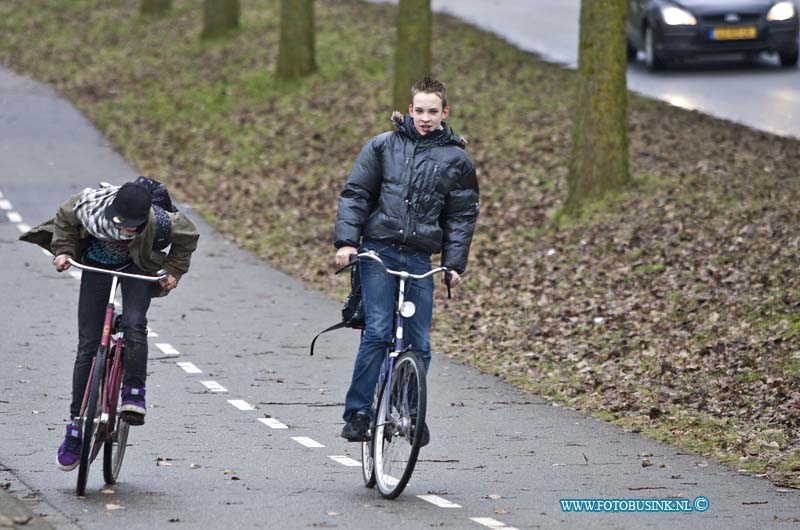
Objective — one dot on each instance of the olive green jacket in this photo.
(66, 235)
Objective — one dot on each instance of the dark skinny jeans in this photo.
(136, 295)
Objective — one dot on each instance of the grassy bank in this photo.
(674, 309)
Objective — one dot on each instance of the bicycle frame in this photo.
(113, 366)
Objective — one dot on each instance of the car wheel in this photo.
(653, 59)
(631, 50)
(789, 59)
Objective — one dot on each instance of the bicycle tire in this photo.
(397, 438)
(114, 451)
(90, 425)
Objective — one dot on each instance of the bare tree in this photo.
(150, 7)
(296, 47)
(219, 16)
(599, 157)
(412, 59)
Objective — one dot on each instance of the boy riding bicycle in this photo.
(116, 227)
(411, 193)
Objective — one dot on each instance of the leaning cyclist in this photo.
(411, 193)
(116, 227)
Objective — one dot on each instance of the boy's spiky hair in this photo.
(429, 85)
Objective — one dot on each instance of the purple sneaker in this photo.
(133, 406)
(69, 453)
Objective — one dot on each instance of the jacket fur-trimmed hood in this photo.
(405, 124)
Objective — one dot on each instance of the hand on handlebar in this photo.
(168, 283)
(455, 278)
(343, 255)
(61, 262)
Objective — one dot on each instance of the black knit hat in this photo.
(131, 206)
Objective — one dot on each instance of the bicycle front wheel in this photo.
(398, 430)
(91, 422)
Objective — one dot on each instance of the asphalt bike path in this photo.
(243, 425)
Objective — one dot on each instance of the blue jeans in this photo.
(378, 291)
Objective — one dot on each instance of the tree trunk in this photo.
(219, 16)
(296, 48)
(150, 7)
(599, 157)
(412, 56)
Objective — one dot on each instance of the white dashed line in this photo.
(492, 523)
(5, 204)
(214, 386)
(14, 217)
(241, 404)
(306, 441)
(151, 333)
(345, 461)
(190, 368)
(22, 227)
(438, 501)
(273, 423)
(75, 274)
(167, 349)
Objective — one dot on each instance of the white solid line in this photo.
(438, 501)
(22, 227)
(5, 204)
(306, 441)
(167, 349)
(494, 524)
(190, 368)
(345, 461)
(74, 274)
(14, 217)
(241, 404)
(214, 386)
(273, 423)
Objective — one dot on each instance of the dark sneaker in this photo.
(69, 452)
(357, 428)
(133, 406)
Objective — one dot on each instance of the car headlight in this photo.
(781, 11)
(675, 16)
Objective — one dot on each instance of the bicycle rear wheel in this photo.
(368, 447)
(400, 419)
(91, 422)
(114, 451)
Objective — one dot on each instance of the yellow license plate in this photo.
(740, 33)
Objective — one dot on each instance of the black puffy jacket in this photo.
(419, 191)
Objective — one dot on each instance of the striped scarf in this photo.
(91, 211)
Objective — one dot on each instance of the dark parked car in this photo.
(673, 29)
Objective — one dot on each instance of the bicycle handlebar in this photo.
(160, 275)
(402, 274)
